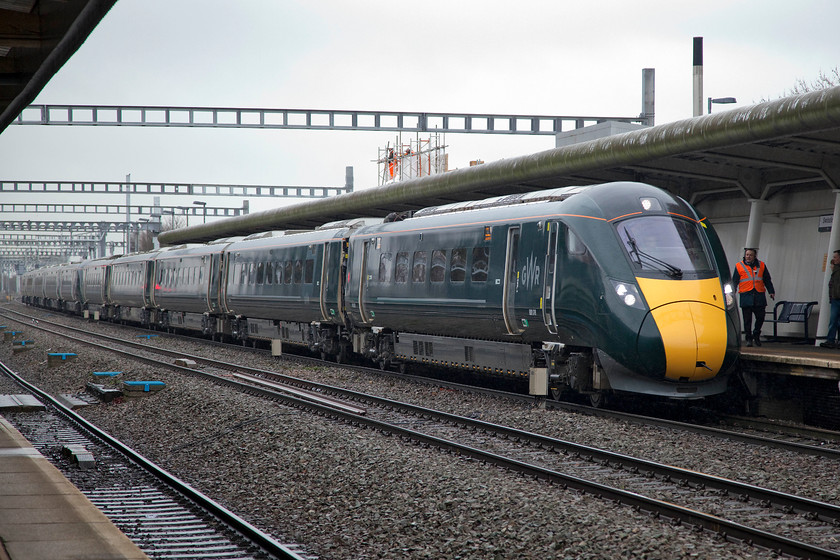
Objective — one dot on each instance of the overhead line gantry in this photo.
(311, 119)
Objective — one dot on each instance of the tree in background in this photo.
(824, 81)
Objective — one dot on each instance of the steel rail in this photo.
(783, 501)
(254, 535)
(795, 447)
(826, 512)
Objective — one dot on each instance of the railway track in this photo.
(164, 516)
(799, 439)
(781, 522)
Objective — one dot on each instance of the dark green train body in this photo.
(619, 287)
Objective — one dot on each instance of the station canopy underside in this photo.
(36, 38)
(748, 153)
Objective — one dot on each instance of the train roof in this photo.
(606, 200)
(289, 238)
(548, 195)
(192, 249)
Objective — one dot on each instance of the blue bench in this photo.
(791, 312)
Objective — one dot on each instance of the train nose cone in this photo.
(694, 337)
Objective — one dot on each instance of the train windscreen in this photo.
(665, 244)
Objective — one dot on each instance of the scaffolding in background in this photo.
(418, 158)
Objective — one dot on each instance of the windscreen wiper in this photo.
(667, 268)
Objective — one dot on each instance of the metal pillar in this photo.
(648, 95)
(348, 178)
(833, 245)
(697, 73)
(756, 221)
(127, 213)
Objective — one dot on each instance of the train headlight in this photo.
(629, 294)
(729, 295)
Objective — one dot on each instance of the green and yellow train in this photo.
(595, 290)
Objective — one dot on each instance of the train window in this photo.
(418, 270)
(287, 272)
(239, 272)
(269, 273)
(298, 271)
(401, 270)
(386, 264)
(480, 264)
(438, 272)
(278, 273)
(260, 273)
(308, 271)
(573, 243)
(200, 274)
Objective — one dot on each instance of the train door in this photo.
(224, 281)
(215, 282)
(549, 284)
(363, 282)
(148, 271)
(332, 280)
(511, 281)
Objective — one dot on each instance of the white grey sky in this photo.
(554, 57)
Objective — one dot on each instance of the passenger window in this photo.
(574, 244)
(386, 263)
(260, 273)
(438, 271)
(481, 260)
(278, 273)
(401, 271)
(418, 271)
(252, 273)
(269, 273)
(308, 271)
(288, 272)
(298, 272)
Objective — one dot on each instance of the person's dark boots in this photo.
(749, 342)
(757, 339)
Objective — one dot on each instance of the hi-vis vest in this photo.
(750, 278)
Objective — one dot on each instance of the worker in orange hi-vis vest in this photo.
(753, 280)
(391, 162)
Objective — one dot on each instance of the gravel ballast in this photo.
(349, 493)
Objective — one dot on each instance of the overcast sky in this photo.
(552, 57)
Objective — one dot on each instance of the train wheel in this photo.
(384, 364)
(598, 400)
(403, 367)
(557, 393)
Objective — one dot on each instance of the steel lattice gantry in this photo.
(309, 119)
(139, 210)
(189, 189)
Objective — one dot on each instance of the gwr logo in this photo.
(530, 275)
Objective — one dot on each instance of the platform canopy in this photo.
(36, 38)
(785, 143)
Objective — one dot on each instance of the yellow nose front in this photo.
(691, 319)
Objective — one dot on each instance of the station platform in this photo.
(794, 381)
(792, 358)
(44, 516)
